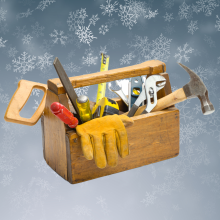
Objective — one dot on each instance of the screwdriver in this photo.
(64, 114)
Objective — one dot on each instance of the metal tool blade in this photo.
(67, 86)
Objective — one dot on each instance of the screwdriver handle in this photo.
(64, 114)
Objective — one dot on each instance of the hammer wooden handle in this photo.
(19, 100)
(171, 99)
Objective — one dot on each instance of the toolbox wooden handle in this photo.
(19, 100)
(146, 68)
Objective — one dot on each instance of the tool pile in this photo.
(106, 128)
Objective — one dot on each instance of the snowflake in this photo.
(184, 11)
(202, 154)
(12, 52)
(2, 42)
(152, 14)
(36, 105)
(71, 54)
(209, 40)
(109, 8)
(89, 59)
(2, 14)
(4, 98)
(168, 17)
(43, 4)
(8, 67)
(20, 32)
(24, 64)
(217, 23)
(114, 43)
(81, 90)
(141, 45)
(59, 36)
(76, 18)
(47, 45)
(44, 61)
(183, 53)
(168, 4)
(24, 14)
(3, 28)
(82, 210)
(103, 29)
(127, 16)
(169, 29)
(37, 30)
(112, 22)
(9, 162)
(207, 6)
(150, 199)
(85, 35)
(41, 166)
(35, 92)
(93, 19)
(126, 59)
(27, 39)
(101, 201)
(161, 48)
(103, 50)
(72, 67)
(192, 27)
(6, 180)
(202, 72)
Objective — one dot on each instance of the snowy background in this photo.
(33, 33)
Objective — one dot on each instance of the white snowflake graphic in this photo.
(24, 64)
(151, 14)
(82, 90)
(2, 14)
(41, 166)
(127, 58)
(43, 4)
(3, 28)
(12, 52)
(44, 61)
(168, 17)
(206, 6)
(27, 39)
(192, 27)
(202, 72)
(168, 4)
(59, 36)
(84, 33)
(35, 92)
(169, 29)
(89, 59)
(71, 54)
(103, 29)
(7, 179)
(149, 199)
(8, 67)
(37, 30)
(112, 22)
(20, 32)
(127, 16)
(76, 18)
(114, 43)
(24, 14)
(184, 10)
(103, 50)
(2, 42)
(217, 23)
(209, 40)
(202, 152)
(161, 48)
(183, 53)
(72, 67)
(36, 104)
(109, 8)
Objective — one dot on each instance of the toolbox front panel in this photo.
(152, 138)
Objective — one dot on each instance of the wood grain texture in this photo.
(55, 142)
(147, 68)
(153, 137)
(19, 100)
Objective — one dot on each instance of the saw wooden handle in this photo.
(171, 99)
(19, 100)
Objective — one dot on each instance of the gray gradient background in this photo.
(185, 187)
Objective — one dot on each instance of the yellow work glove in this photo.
(103, 138)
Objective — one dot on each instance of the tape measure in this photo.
(104, 107)
(102, 86)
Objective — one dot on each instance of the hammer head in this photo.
(196, 88)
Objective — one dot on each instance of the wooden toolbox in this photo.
(152, 138)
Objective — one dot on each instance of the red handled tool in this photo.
(64, 114)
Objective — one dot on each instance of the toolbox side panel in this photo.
(54, 135)
(153, 137)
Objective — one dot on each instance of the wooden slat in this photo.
(153, 137)
(146, 68)
(54, 134)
